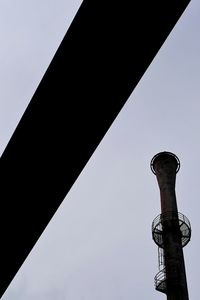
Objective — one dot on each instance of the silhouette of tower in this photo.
(171, 230)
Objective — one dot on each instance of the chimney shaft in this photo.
(169, 229)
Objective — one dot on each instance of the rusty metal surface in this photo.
(165, 166)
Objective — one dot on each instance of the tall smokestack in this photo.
(171, 230)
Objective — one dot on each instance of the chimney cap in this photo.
(164, 153)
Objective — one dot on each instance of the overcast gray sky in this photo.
(98, 245)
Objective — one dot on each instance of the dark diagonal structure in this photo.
(104, 54)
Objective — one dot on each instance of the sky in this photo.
(98, 244)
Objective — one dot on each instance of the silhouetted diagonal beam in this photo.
(105, 52)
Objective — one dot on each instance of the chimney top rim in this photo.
(170, 154)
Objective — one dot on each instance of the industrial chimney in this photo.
(171, 230)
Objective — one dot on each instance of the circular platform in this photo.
(160, 220)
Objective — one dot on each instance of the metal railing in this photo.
(161, 259)
(183, 222)
(160, 281)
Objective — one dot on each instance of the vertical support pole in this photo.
(165, 165)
